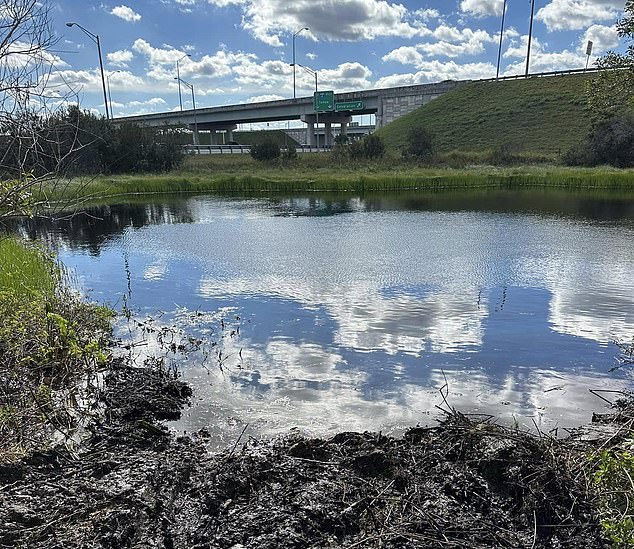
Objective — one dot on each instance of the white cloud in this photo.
(482, 8)
(603, 38)
(264, 98)
(120, 58)
(577, 14)
(272, 20)
(126, 13)
(435, 71)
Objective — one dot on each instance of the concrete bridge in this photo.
(386, 104)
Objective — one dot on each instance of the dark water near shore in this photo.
(339, 313)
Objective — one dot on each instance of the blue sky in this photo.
(241, 49)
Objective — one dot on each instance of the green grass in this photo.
(26, 270)
(240, 174)
(539, 115)
(50, 341)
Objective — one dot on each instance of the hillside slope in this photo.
(542, 115)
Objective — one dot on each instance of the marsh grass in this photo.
(51, 343)
(243, 175)
(26, 270)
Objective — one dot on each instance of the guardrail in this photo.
(245, 149)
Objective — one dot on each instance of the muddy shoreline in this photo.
(463, 483)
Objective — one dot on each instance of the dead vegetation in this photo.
(465, 483)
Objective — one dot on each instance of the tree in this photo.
(29, 158)
(611, 92)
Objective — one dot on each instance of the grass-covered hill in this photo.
(544, 115)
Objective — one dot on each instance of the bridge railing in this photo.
(245, 149)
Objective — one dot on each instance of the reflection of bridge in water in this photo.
(385, 104)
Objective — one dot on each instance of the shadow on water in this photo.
(96, 225)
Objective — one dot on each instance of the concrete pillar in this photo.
(311, 133)
(327, 134)
(344, 129)
(229, 135)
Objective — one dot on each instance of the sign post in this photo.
(588, 52)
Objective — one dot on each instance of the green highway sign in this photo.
(324, 101)
(349, 106)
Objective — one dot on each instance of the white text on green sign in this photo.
(349, 106)
(324, 101)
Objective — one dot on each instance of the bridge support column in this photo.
(229, 135)
(311, 133)
(344, 129)
(327, 134)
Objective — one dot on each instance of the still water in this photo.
(327, 313)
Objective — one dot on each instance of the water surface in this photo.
(326, 313)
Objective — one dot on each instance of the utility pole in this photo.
(530, 37)
(497, 74)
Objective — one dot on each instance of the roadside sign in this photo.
(324, 101)
(349, 106)
(589, 47)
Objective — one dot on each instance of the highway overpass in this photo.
(386, 104)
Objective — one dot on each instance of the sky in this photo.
(239, 51)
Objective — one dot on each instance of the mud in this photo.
(464, 483)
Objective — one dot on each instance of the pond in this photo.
(336, 312)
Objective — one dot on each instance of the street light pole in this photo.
(95, 39)
(109, 96)
(312, 72)
(294, 36)
(497, 74)
(530, 37)
(178, 77)
(191, 87)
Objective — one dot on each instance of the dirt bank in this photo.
(461, 484)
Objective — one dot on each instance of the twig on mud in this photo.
(238, 441)
(534, 529)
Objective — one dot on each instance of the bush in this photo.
(579, 155)
(506, 154)
(373, 146)
(612, 142)
(291, 152)
(419, 143)
(267, 150)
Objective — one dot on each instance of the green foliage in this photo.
(506, 154)
(267, 150)
(290, 153)
(373, 146)
(419, 143)
(73, 141)
(546, 115)
(49, 341)
(610, 142)
(612, 481)
(611, 93)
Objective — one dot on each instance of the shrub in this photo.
(505, 154)
(613, 141)
(419, 143)
(267, 150)
(373, 146)
(357, 150)
(579, 155)
(291, 152)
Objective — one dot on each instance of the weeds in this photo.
(51, 343)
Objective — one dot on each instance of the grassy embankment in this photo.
(50, 341)
(538, 117)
